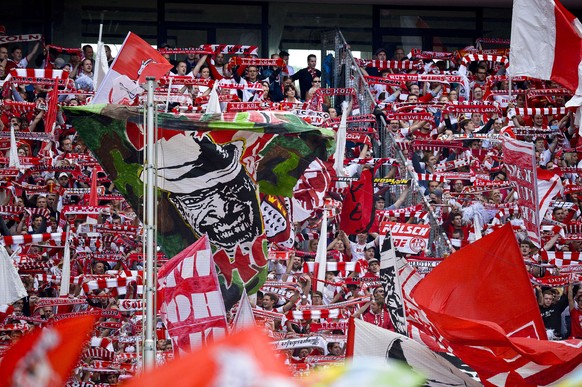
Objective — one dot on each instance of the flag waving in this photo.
(192, 306)
(136, 60)
(466, 299)
(45, 357)
(546, 26)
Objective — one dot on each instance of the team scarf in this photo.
(410, 116)
(101, 313)
(240, 86)
(187, 50)
(473, 108)
(317, 99)
(359, 138)
(313, 314)
(261, 105)
(435, 145)
(238, 61)
(360, 118)
(42, 302)
(35, 136)
(7, 39)
(33, 238)
(439, 78)
(221, 98)
(375, 161)
(390, 64)
(453, 164)
(45, 77)
(555, 281)
(416, 53)
(231, 49)
(543, 92)
(542, 111)
(480, 41)
(467, 59)
(53, 51)
(401, 216)
(570, 188)
(491, 79)
(381, 81)
(185, 80)
(19, 107)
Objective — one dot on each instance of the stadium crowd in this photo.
(450, 132)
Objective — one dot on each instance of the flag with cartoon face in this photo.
(210, 170)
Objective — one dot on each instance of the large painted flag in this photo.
(136, 60)
(465, 300)
(242, 359)
(45, 357)
(367, 340)
(210, 169)
(545, 26)
(192, 308)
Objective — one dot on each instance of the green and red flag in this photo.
(210, 170)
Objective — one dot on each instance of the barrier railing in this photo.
(340, 70)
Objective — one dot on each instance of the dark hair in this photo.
(283, 53)
(311, 56)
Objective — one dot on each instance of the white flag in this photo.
(11, 286)
(101, 67)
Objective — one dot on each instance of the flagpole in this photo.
(149, 346)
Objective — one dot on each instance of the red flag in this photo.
(482, 305)
(45, 357)
(549, 185)
(136, 60)
(358, 208)
(192, 307)
(546, 26)
(519, 158)
(93, 196)
(245, 358)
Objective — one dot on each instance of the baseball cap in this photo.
(63, 174)
(372, 261)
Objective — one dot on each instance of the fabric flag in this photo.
(358, 207)
(310, 191)
(101, 66)
(340, 150)
(549, 185)
(244, 317)
(391, 284)
(11, 286)
(213, 106)
(136, 60)
(465, 299)
(211, 169)
(368, 340)
(66, 272)
(546, 26)
(243, 359)
(278, 226)
(192, 307)
(519, 159)
(14, 161)
(45, 357)
(321, 254)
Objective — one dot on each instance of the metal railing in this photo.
(340, 69)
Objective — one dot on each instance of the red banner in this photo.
(520, 160)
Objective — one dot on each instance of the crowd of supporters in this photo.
(58, 192)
